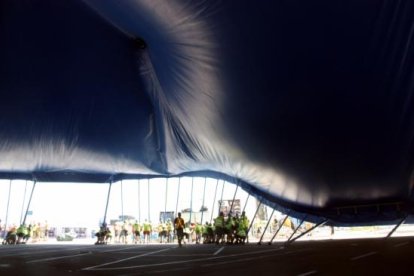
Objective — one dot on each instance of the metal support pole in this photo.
(139, 201)
(297, 228)
(234, 197)
(204, 195)
(107, 202)
(221, 200)
(30, 200)
(267, 225)
(309, 230)
(178, 195)
(245, 204)
(191, 197)
(166, 196)
(396, 227)
(149, 208)
(122, 201)
(176, 205)
(280, 227)
(251, 223)
(214, 201)
(7, 210)
(24, 199)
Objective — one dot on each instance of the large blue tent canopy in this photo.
(308, 105)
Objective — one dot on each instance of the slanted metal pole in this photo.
(234, 197)
(139, 201)
(309, 230)
(202, 205)
(122, 202)
(24, 199)
(191, 197)
(7, 210)
(296, 229)
(107, 202)
(396, 227)
(245, 204)
(280, 227)
(221, 200)
(178, 195)
(267, 225)
(30, 200)
(176, 206)
(166, 193)
(149, 207)
(214, 201)
(251, 223)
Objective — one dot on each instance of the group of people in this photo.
(230, 230)
(133, 232)
(21, 234)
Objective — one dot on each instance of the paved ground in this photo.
(394, 256)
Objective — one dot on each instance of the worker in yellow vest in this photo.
(136, 231)
(228, 227)
(219, 228)
(147, 231)
(169, 230)
(198, 231)
(21, 233)
(244, 227)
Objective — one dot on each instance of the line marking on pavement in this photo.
(401, 244)
(248, 259)
(32, 252)
(180, 255)
(96, 267)
(235, 261)
(218, 251)
(308, 273)
(57, 258)
(119, 249)
(364, 255)
(182, 262)
(134, 253)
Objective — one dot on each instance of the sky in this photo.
(83, 204)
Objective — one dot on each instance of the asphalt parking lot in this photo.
(330, 257)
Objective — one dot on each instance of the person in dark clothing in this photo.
(179, 228)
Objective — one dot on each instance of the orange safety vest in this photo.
(179, 223)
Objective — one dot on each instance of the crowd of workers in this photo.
(230, 230)
(35, 231)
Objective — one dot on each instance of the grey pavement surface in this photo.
(392, 256)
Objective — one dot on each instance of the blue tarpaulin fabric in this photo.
(307, 105)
